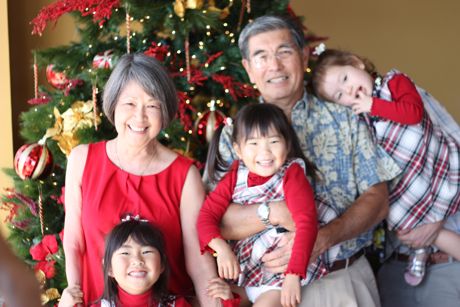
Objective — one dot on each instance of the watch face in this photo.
(263, 211)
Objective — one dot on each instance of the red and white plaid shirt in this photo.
(428, 190)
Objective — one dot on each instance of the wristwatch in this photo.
(263, 212)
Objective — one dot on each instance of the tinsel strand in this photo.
(128, 32)
(187, 58)
(35, 76)
(40, 209)
(240, 20)
(94, 98)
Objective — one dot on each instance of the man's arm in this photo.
(368, 209)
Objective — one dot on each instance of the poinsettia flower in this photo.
(45, 248)
(47, 267)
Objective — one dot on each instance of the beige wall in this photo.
(418, 37)
(6, 136)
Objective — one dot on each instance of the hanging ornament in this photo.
(208, 122)
(103, 60)
(194, 4)
(56, 79)
(179, 8)
(48, 294)
(32, 160)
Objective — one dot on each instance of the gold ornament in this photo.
(78, 116)
(49, 294)
(179, 8)
(194, 4)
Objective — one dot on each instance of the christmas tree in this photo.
(195, 39)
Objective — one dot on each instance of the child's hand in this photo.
(71, 296)
(218, 288)
(290, 291)
(362, 103)
(227, 263)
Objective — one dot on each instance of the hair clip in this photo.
(228, 121)
(129, 217)
(319, 49)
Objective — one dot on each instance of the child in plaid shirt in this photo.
(424, 142)
(271, 167)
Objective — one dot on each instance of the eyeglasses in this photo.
(262, 59)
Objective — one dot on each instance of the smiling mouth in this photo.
(136, 129)
(137, 274)
(265, 162)
(278, 79)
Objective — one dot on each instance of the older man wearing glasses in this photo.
(275, 58)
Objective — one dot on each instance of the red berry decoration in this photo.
(103, 60)
(207, 123)
(32, 160)
(56, 79)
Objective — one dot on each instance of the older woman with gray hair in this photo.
(134, 174)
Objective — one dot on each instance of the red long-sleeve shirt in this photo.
(299, 200)
(406, 107)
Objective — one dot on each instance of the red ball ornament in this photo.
(103, 60)
(55, 78)
(207, 123)
(32, 160)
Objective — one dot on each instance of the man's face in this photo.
(276, 66)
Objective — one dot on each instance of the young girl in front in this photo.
(136, 271)
(417, 132)
(271, 167)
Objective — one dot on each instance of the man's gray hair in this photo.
(265, 24)
(150, 75)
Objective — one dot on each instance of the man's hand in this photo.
(420, 236)
(277, 260)
(281, 216)
(322, 243)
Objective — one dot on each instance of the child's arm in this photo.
(208, 223)
(214, 207)
(290, 291)
(449, 242)
(301, 203)
(406, 106)
(227, 263)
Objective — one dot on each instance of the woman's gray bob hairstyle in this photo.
(150, 75)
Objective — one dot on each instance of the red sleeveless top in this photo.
(108, 193)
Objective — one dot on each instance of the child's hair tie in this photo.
(228, 121)
(129, 217)
(319, 49)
